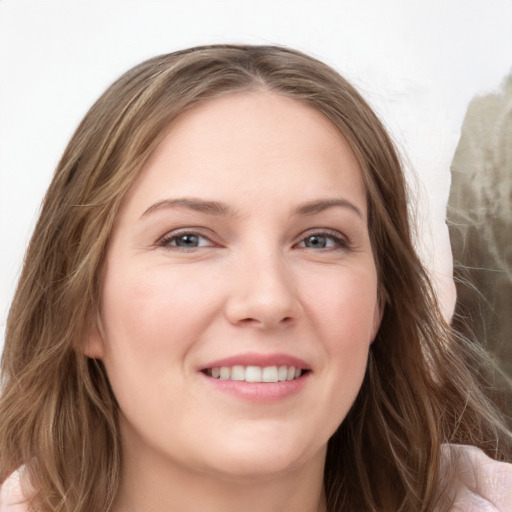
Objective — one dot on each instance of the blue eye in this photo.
(324, 241)
(186, 240)
(316, 242)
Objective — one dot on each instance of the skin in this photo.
(255, 283)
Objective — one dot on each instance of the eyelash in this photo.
(166, 240)
(340, 241)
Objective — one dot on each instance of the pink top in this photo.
(11, 497)
(483, 485)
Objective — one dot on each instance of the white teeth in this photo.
(238, 373)
(255, 373)
(269, 374)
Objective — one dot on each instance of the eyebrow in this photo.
(314, 207)
(190, 203)
(221, 209)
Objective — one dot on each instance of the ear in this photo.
(93, 345)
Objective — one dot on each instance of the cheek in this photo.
(153, 306)
(151, 319)
(344, 307)
(344, 312)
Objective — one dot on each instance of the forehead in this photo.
(243, 144)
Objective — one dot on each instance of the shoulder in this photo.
(11, 496)
(480, 484)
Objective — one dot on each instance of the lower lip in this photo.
(263, 392)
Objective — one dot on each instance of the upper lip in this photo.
(263, 360)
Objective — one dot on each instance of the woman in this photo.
(221, 308)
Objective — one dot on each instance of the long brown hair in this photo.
(58, 413)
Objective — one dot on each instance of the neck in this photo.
(150, 484)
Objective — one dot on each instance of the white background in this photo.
(418, 62)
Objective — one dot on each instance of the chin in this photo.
(260, 460)
(251, 469)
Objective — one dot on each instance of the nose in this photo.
(263, 293)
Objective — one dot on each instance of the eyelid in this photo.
(164, 240)
(343, 242)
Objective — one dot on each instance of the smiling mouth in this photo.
(255, 373)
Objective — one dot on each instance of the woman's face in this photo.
(241, 251)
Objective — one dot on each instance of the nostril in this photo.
(249, 321)
(265, 322)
